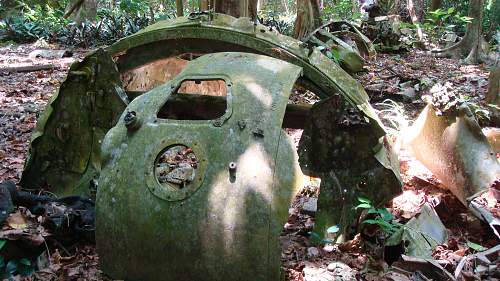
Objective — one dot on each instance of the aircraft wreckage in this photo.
(198, 186)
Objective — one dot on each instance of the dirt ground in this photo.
(403, 78)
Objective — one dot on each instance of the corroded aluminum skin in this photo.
(86, 107)
(225, 227)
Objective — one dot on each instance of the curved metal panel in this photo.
(165, 39)
(230, 224)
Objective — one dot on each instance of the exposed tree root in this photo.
(450, 48)
(471, 45)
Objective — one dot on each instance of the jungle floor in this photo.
(404, 78)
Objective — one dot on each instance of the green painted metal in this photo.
(65, 146)
(218, 225)
(338, 146)
(198, 33)
(349, 59)
(226, 225)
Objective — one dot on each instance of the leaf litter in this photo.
(403, 78)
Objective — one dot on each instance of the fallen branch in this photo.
(28, 68)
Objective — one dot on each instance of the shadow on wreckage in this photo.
(343, 141)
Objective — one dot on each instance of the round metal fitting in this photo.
(131, 121)
(232, 166)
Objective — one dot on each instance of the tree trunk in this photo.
(492, 96)
(81, 10)
(203, 5)
(409, 10)
(308, 18)
(152, 11)
(72, 8)
(471, 45)
(473, 33)
(494, 18)
(415, 10)
(261, 4)
(252, 9)
(355, 6)
(435, 4)
(285, 6)
(398, 8)
(237, 8)
(180, 8)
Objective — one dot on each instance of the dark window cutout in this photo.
(196, 100)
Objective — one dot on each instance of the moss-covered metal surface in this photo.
(215, 227)
(65, 146)
(221, 32)
(227, 225)
(73, 164)
(338, 146)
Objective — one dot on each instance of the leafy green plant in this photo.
(440, 17)
(22, 267)
(282, 22)
(37, 21)
(136, 7)
(342, 9)
(475, 247)
(317, 239)
(331, 53)
(381, 216)
(441, 20)
(9, 269)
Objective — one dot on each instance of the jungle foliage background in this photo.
(88, 23)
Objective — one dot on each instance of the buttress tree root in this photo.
(472, 45)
